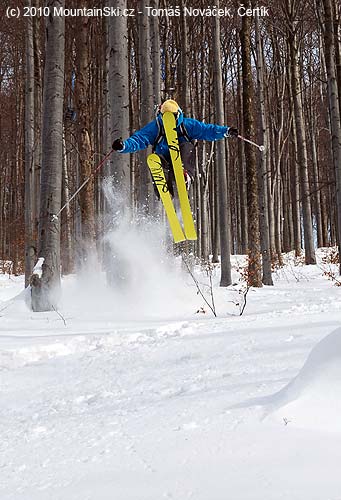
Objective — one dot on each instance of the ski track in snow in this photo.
(155, 408)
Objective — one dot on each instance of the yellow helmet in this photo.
(169, 105)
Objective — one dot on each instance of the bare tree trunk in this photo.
(30, 250)
(107, 117)
(185, 97)
(316, 182)
(67, 248)
(45, 289)
(288, 237)
(262, 170)
(205, 166)
(278, 211)
(38, 101)
(301, 151)
(214, 188)
(205, 205)
(242, 169)
(155, 38)
(295, 181)
(119, 93)
(167, 90)
(107, 134)
(254, 251)
(337, 41)
(118, 114)
(224, 219)
(82, 92)
(334, 110)
(271, 204)
(156, 81)
(146, 101)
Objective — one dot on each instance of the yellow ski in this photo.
(154, 164)
(169, 124)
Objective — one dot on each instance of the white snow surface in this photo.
(131, 394)
(313, 398)
(38, 268)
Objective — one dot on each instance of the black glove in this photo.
(118, 145)
(232, 132)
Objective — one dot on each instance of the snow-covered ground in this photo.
(132, 394)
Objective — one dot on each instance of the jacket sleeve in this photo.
(204, 131)
(141, 139)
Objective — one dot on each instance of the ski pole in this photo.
(94, 172)
(261, 148)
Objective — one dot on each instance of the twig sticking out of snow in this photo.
(59, 314)
(212, 307)
(244, 299)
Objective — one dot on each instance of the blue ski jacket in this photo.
(195, 129)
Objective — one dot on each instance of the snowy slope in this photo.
(131, 395)
(313, 398)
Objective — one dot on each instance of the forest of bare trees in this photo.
(69, 85)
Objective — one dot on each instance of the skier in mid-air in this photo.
(188, 130)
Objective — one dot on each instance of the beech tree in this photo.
(262, 165)
(334, 105)
(84, 146)
(30, 249)
(146, 100)
(45, 287)
(224, 209)
(254, 254)
(119, 93)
